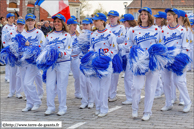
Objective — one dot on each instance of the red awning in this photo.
(30, 5)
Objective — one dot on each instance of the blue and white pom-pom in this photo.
(84, 41)
(30, 54)
(138, 60)
(124, 62)
(86, 64)
(101, 64)
(179, 64)
(7, 57)
(158, 57)
(117, 64)
(44, 76)
(48, 57)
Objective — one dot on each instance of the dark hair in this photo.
(64, 28)
(132, 23)
(164, 23)
(150, 19)
(173, 13)
(42, 20)
(94, 29)
(1, 18)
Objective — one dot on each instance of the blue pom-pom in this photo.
(101, 65)
(138, 60)
(158, 57)
(179, 64)
(48, 57)
(124, 62)
(31, 53)
(7, 57)
(117, 64)
(20, 39)
(84, 41)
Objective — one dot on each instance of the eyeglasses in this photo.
(110, 17)
(29, 20)
(38, 25)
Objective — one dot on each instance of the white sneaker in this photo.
(48, 112)
(157, 96)
(165, 108)
(40, 96)
(26, 109)
(35, 107)
(187, 108)
(102, 114)
(10, 95)
(70, 74)
(181, 103)
(173, 101)
(78, 97)
(60, 113)
(97, 112)
(82, 106)
(25, 99)
(127, 102)
(123, 75)
(146, 116)
(19, 96)
(90, 105)
(7, 80)
(113, 99)
(134, 113)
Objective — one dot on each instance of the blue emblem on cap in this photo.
(72, 21)
(60, 16)
(100, 16)
(146, 9)
(30, 16)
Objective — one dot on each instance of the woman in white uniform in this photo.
(72, 24)
(102, 39)
(57, 77)
(35, 37)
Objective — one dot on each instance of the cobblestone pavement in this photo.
(119, 116)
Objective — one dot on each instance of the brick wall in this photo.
(3, 8)
(44, 15)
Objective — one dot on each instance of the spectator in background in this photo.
(45, 28)
(15, 22)
(38, 25)
(92, 15)
(2, 20)
(42, 23)
(51, 25)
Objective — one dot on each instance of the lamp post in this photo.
(125, 5)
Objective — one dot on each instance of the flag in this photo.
(54, 7)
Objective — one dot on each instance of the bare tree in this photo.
(85, 6)
(100, 10)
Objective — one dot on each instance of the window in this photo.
(49, 15)
(30, 8)
(136, 14)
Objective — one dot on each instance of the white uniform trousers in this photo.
(100, 89)
(159, 88)
(113, 85)
(18, 81)
(38, 81)
(29, 87)
(13, 86)
(7, 72)
(128, 82)
(150, 80)
(86, 89)
(75, 69)
(57, 80)
(179, 82)
(191, 65)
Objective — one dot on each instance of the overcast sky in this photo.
(108, 5)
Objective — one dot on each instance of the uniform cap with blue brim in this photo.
(87, 21)
(127, 17)
(71, 21)
(191, 21)
(10, 15)
(182, 13)
(30, 16)
(146, 9)
(60, 16)
(100, 16)
(21, 21)
(72, 16)
(113, 13)
(176, 11)
(160, 15)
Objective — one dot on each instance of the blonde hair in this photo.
(64, 28)
(104, 24)
(164, 23)
(150, 20)
(186, 23)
